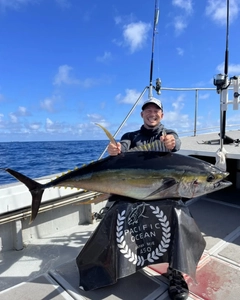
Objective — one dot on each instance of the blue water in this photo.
(37, 159)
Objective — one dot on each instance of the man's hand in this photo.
(113, 149)
(168, 140)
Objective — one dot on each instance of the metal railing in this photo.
(195, 130)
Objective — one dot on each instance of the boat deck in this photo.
(46, 268)
(194, 145)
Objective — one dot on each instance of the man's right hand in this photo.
(113, 149)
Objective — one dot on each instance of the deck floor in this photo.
(52, 260)
(194, 145)
(218, 271)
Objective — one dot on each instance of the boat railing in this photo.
(196, 129)
(197, 99)
(16, 200)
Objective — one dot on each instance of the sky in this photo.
(66, 65)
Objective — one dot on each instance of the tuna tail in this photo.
(36, 189)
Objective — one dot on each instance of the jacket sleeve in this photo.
(125, 142)
(177, 139)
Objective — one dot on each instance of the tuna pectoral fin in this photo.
(36, 189)
(167, 183)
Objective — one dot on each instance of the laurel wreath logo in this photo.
(155, 254)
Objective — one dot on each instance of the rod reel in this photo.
(158, 86)
(221, 82)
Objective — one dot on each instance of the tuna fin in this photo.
(167, 183)
(157, 145)
(36, 189)
(109, 135)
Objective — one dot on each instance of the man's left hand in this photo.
(169, 141)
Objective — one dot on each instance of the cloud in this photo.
(64, 77)
(135, 35)
(55, 127)
(63, 3)
(175, 118)
(130, 98)
(180, 51)
(179, 24)
(18, 4)
(49, 125)
(217, 10)
(233, 69)
(178, 104)
(107, 56)
(180, 21)
(118, 20)
(13, 118)
(96, 118)
(22, 112)
(48, 104)
(204, 96)
(35, 126)
(184, 4)
(15, 4)
(91, 82)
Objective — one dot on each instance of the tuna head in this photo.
(201, 178)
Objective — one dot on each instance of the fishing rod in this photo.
(222, 83)
(225, 72)
(150, 87)
(158, 81)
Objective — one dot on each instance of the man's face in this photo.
(152, 115)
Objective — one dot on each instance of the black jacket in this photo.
(145, 136)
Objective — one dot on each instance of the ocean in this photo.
(38, 159)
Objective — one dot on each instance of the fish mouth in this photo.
(222, 184)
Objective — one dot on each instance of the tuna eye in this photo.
(210, 178)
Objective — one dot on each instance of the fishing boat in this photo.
(37, 260)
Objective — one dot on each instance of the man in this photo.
(151, 130)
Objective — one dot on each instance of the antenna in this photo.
(158, 81)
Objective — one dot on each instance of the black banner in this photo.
(133, 235)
